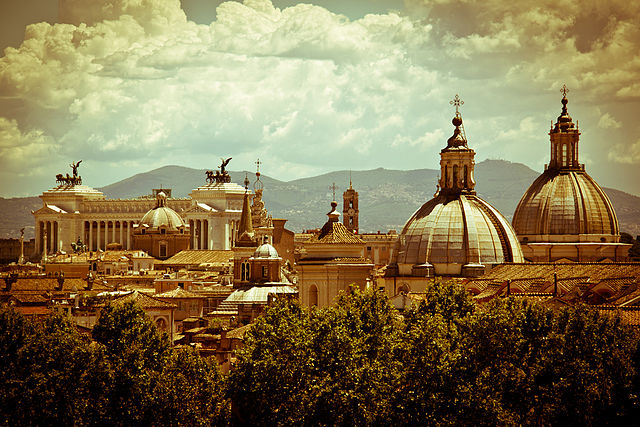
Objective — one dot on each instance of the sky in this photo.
(128, 86)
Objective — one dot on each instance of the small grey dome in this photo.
(266, 251)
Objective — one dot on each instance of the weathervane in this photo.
(333, 188)
(457, 102)
(564, 90)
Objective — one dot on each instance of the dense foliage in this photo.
(446, 361)
(51, 375)
(511, 362)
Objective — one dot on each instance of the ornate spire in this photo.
(564, 138)
(457, 159)
(458, 138)
(245, 228)
(258, 184)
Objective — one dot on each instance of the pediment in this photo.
(49, 209)
(200, 208)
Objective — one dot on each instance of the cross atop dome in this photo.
(564, 90)
(458, 103)
(333, 188)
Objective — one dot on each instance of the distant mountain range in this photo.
(387, 197)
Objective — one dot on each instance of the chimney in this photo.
(60, 281)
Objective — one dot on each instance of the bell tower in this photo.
(457, 160)
(564, 137)
(350, 209)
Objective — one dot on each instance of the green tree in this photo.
(311, 366)
(138, 353)
(190, 391)
(57, 377)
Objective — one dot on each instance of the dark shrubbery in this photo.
(447, 361)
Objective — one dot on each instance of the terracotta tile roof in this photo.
(37, 310)
(334, 232)
(595, 271)
(197, 257)
(177, 293)
(144, 301)
(51, 283)
(238, 333)
(29, 298)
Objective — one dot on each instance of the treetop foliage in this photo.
(445, 361)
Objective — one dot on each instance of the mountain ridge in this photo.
(388, 197)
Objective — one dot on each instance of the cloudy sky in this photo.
(131, 85)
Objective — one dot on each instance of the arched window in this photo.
(455, 176)
(313, 295)
(246, 271)
(465, 178)
(564, 154)
(446, 176)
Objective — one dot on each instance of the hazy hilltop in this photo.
(387, 197)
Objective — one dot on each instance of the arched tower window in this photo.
(313, 295)
(245, 271)
(564, 154)
(465, 178)
(446, 176)
(455, 176)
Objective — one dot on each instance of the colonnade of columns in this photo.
(48, 239)
(98, 234)
(199, 233)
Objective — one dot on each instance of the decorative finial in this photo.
(350, 183)
(246, 181)
(564, 90)
(333, 188)
(457, 102)
(258, 184)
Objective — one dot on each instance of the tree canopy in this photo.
(446, 361)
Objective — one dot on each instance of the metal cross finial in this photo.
(457, 102)
(564, 90)
(258, 163)
(333, 188)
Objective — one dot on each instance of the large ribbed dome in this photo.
(564, 204)
(451, 233)
(162, 216)
(561, 203)
(455, 233)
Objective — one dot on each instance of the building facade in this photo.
(72, 211)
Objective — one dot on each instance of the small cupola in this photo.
(457, 159)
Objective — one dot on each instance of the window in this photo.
(564, 155)
(465, 178)
(455, 176)
(265, 271)
(163, 231)
(245, 272)
(313, 295)
(163, 250)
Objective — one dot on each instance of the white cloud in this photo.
(134, 82)
(608, 122)
(626, 154)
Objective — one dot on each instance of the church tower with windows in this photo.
(350, 209)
